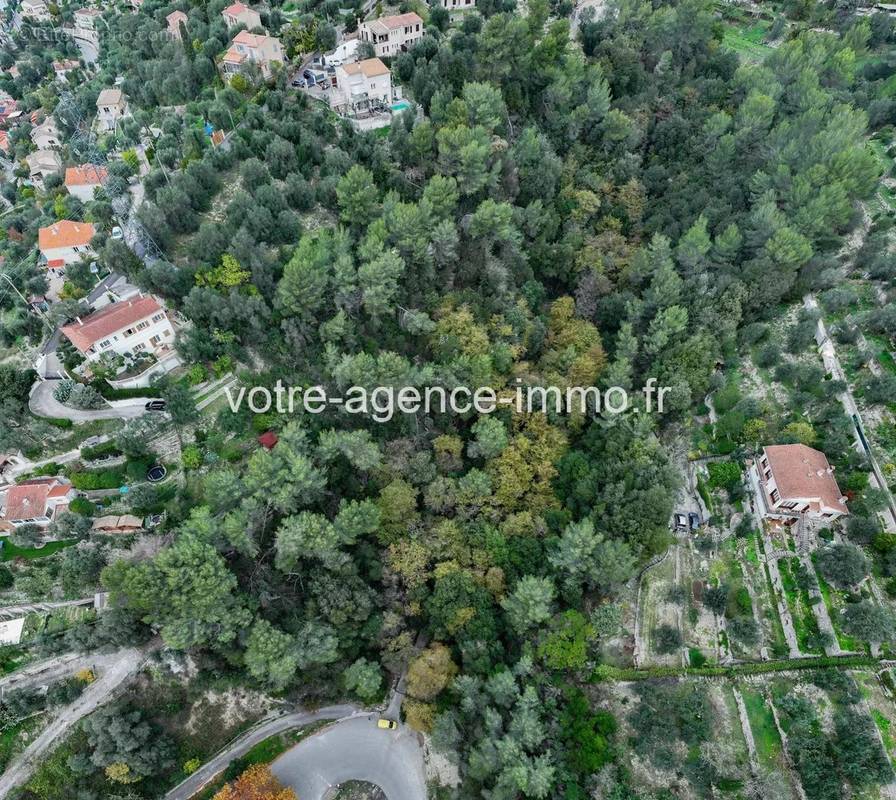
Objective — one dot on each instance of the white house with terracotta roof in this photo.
(265, 51)
(796, 480)
(392, 35)
(65, 242)
(35, 502)
(458, 5)
(82, 181)
(42, 163)
(240, 14)
(139, 324)
(174, 20)
(46, 136)
(111, 108)
(362, 84)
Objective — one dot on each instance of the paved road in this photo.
(355, 749)
(95, 695)
(50, 670)
(43, 404)
(248, 740)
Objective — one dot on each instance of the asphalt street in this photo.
(355, 749)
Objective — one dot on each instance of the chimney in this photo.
(79, 320)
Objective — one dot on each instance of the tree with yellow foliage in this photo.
(256, 783)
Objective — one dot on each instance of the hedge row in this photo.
(103, 450)
(111, 393)
(98, 479)
(605, 672)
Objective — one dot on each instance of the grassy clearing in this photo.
(11, 551)
(883, 725)
(748, 42)
(14, 739)
(765, 734)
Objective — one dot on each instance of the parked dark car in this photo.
(155, 405)
(694, 520)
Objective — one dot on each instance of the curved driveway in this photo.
(355, 749)
(43, 404)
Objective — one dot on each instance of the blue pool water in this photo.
(401, 105)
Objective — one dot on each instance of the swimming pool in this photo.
(400, 106)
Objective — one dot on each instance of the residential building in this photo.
(4, 141)
(111, 108)
(42, 163)
(794, 481)
(458, 5)
(62, 68)
(392, 35)
(9, 110)
(140, 324)
(85, 19)
(36, 502)
(265, 51)
(65, 242)
(174, 20)
(241, 14)
(362, 85)
(46, 136)
(124, 523)
(82, 181)
(36, 9)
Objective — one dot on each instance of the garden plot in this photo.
(660, 612)
(757, 582)
(681, 736)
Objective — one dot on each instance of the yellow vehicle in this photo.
(387, 724)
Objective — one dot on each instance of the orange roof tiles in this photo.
(65, 233)
(114, 317)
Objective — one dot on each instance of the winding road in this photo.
(125, 663)
(244, 743)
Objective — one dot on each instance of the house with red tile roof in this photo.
(82, 181)
(35, 502)
(393, 34)
(246, 48)
(139, 324)
(65, 242)
(174, 20)
(796, 480)
(240, 14)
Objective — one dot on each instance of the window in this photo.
(142, 326)
(154, 340)
(105, 343)
(775, 496)
(158, 317)
(139, 347)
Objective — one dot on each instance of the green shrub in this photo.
(81, 505)
(197, 374)
(724, 474)
(58, 422)
(86, 480)
(111, 393)
(191, 457)
(104, 450)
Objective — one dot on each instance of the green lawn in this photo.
(765, 734)
(748, 42)
(11, 551)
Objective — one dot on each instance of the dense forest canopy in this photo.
(567, 213)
